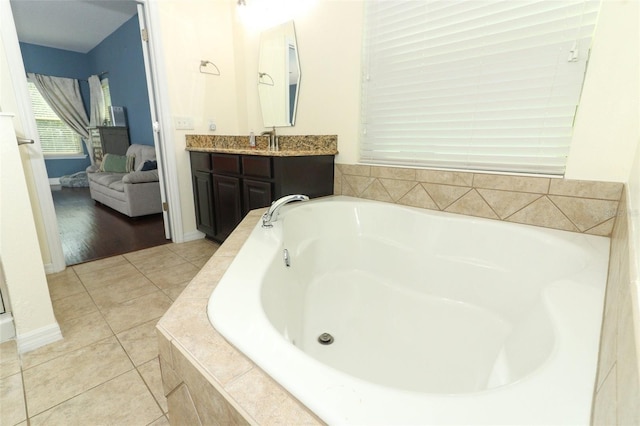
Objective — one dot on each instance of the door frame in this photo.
(25, 116)
(9, 38)
(161, 118)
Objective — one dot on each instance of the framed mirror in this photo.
(279, 75)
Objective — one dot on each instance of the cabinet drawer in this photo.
(257, 166)
(226, 163)
(200, 161)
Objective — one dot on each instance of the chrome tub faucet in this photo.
(272, 214)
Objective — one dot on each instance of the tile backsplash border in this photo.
(571, 205)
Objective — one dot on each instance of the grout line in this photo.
(84, 391)
(444, 209)
(522, 208)
(24, 395)
(112, 334)
(147, 385)
(384, 188)
(405, 194)
(565, 215)
(489, 205)
(163, 415)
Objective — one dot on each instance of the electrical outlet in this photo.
(212, 125)
(183, 123)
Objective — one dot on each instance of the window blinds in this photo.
(56, 137)
(106, 95)
(474, 84)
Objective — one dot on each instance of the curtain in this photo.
(63, 96)
(97, 102)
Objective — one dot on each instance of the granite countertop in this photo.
(290, 146)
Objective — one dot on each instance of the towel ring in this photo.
(203, 66)
(264, 74)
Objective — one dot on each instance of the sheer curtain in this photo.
(63, 96)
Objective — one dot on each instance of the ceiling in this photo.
(76, 25)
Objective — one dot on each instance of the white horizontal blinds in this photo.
(474, 84)
(56, 137)
(106, 94)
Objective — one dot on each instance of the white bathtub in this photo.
(436, 318)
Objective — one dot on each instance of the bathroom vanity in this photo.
(229, 181)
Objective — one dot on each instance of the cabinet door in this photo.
(226, 205)
(203, 200)
(256, 194)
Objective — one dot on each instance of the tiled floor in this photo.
(105, 370)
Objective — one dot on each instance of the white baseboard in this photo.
(7, 330)
(39, 337)
(55, 185)
(49, 268)
(192, 236)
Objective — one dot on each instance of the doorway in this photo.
(90, 231)
(128, 237)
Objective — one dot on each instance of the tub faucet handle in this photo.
(272, 214)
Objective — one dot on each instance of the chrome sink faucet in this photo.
(272, 138)
(272, 214)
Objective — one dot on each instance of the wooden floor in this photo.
(90, 231)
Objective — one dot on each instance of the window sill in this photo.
(65, 156)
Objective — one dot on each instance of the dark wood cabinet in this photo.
(203, 196)
(109, 140)
(227, 205)
(227, 186)
(255, 194)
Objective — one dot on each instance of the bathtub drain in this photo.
(325, 339)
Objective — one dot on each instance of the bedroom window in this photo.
(106, 94)
(475, 85)
(56, 138)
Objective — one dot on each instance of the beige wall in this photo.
(19, 250)
(329, 43)
(191, 31)
(8, 104)
(633, 213)
(19, 245)
(607, 123)
(329, 40)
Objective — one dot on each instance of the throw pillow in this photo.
(114, 163)
(131, 162)
(149, 165)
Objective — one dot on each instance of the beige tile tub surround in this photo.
(296, 145)
(617, 392)
(206, 380)
(570, 205)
